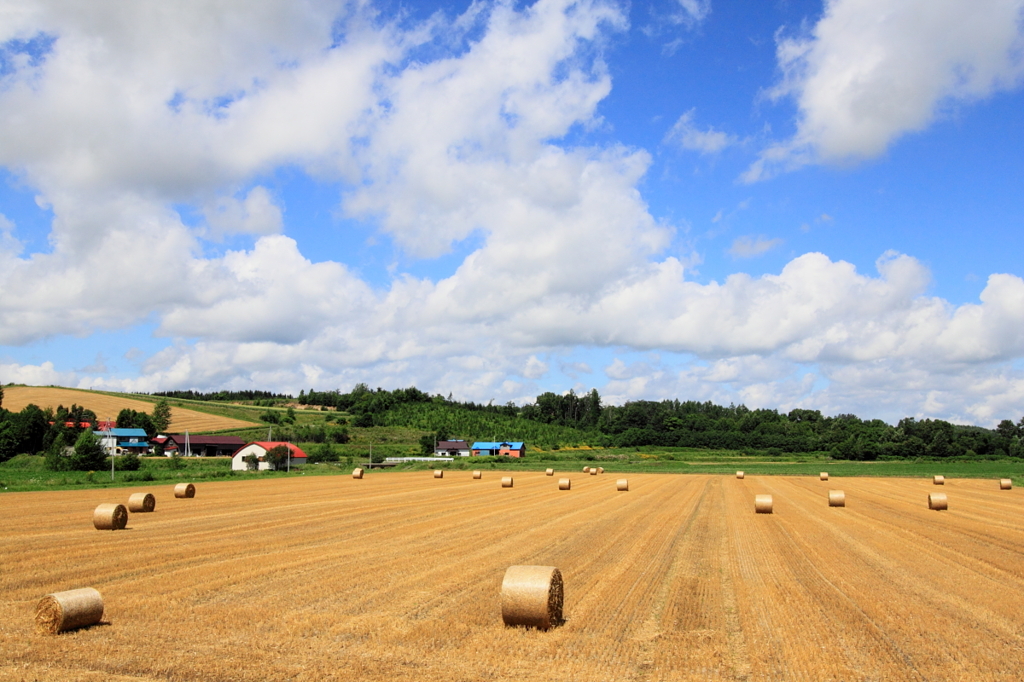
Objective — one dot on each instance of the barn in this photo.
(260, 449)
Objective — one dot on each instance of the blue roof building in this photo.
(509, 448)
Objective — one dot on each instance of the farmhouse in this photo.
(451, 448)
(260, 449)
(202, 446)
(118, 441)
(510, 448)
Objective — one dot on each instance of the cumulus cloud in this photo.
(871, 71)
(122, 116)
(688, 136)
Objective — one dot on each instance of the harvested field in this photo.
(107, 407)
(398, 577)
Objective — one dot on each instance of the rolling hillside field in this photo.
(107, 406)
(397, 577)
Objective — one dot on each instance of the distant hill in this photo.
(106, 406)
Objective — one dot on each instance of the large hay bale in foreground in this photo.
(823, 476)
(477, 474)
(357, 472)
(184, 490)
(506, 481)
(532, 596)
(939, 480)
(141, 502)
(938, 501)
(549, 472)
(763, 504)
(836, 498)
(622, 484)
(740, 474)
(1005, 484)
(438, 473)
(62, 611)
(564, 484)
(110, 517)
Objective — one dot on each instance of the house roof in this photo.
(452, 445)
(497, 445)
(124, 433)
(269, 445)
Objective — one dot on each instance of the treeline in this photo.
(224, 396)
(583, 420)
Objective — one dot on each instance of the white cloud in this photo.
(750, 247)
(870, 71)
(688, 136)
(256, 214)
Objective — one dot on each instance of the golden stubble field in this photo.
(107, 407)
(397, 577)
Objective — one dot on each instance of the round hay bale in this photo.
(1005, 484)
(939, 480)
(823, 476)
(184, 490)
(62, 611)
(622, 484)
(938, 501)
(549, 472)
(740, 474)
(763, 504)
(593, 471)
(532, 596)
(836, 498)
(600, 470)
(506, 481)
(357, 472)
(141, 502)
(586, 470)
(564, 484)
(478, 474)
(110, 517)
(438, 473)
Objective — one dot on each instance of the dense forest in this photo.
(584, 420)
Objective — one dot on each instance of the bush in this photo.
(127, 462)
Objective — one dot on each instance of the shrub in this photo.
(128, 462)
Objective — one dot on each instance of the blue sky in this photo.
(785, 204)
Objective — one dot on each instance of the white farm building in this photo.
(260, 449)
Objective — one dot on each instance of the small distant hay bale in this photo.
(740, 474)
(1005, 484)
(63, 611)
(823, 476)
(141, 502)
(532, 596)
(478, 474)
(938, 501)
(622, 484)
(185, 490)
(357, 472)
(549, 472)
(586, 470)
(564, 484)
(600, 470)
(110, 517)
(438, 473)
(836, 498)
(763, 504)
(506, 481)
(939, 480)
(593, 471)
